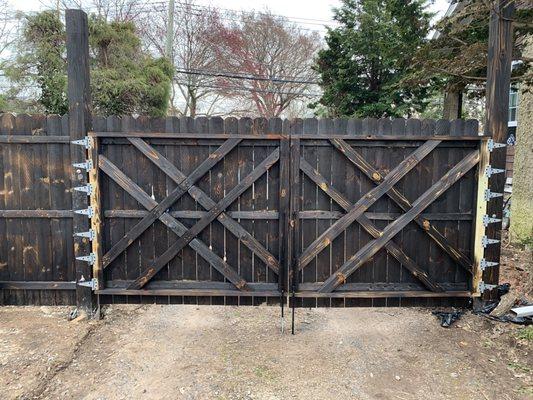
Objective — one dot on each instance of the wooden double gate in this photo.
(332, 212)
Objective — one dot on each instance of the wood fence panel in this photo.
(36, 248)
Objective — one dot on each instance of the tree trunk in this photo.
(453, 102)
(522, 197)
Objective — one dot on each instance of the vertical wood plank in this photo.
(353, 190)
(172, 151)
(246, 165)
(231, 172)
(58, 173)
(260, 192)
(204, 269)
(95, 202)
(338, 166)
(187, 158)
(281, 202)
(13, 228)
(309, 202)
(216, 125)
(323, 202)
(295, 127)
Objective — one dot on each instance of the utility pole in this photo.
(169, 48)
(170, 32)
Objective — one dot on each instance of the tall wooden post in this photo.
(79, 102)
(497, 109)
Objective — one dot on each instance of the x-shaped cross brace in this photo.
(358, 209)
(396, 196)
(371, 248)
(186, 184)
(370, 227)
(173, 224)
(212, 214)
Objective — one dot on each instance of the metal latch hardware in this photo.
(87, 189)
(89, 234)
(485, 286)
(86, 211)
(91, 258)
(489, 171)
(490, 195)
(485, 241)
(488, 220)
(93, 283)
(491, 145)
(484, 264)
(87, 165)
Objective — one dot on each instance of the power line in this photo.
(243, 76)
(235, 14)
(247, 90)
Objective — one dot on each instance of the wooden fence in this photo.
(226, 211)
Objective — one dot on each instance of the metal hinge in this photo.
(91, 258)
(489, 220)
(485, 286)
(86, 211)
(484, 264)
(485, 241)
(85, 142)
(491, 145)
(93, 283)
(89, 234)
(87, 165)
(87, 189)
(489, 171)
(490, 195)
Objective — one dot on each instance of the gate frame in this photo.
(478, 227)
(289, 147)
(135, 138)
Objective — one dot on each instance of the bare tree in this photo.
(192, 54)
(110, 10)
(265, 60)
(9, 25)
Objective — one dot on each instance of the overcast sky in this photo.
(320, 10)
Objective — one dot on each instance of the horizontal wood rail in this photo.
(273, 214)
(165, 135)
(383, 294)
(277, 136)
(30, 139)
(37, 285)
(36, 213)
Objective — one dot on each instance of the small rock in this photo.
(397, 377)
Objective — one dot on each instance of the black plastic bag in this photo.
(447, 318)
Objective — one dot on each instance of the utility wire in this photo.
(242, 76)
(247, 90)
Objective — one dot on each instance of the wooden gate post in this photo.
(79, 103)
(497, 109)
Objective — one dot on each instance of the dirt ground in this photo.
(188, 352)
(211, 352)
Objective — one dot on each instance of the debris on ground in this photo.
(507, 301)
(447, 318)
(524, 311)
(502, 310)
